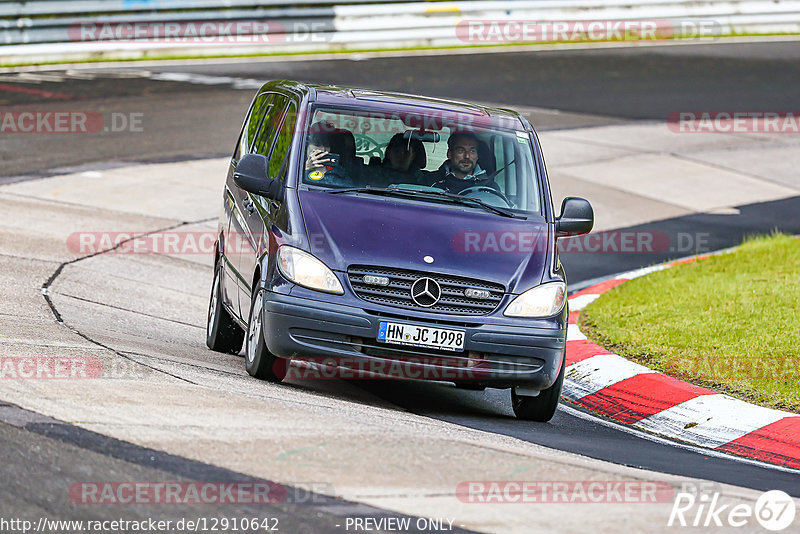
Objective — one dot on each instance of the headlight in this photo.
(304, 269)
(541, 301)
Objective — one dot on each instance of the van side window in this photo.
(271, 125)
(252, 122)
(283, 142)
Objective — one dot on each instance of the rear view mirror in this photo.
(577, 217)
(251, 175)
(421, 135)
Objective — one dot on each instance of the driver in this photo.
(461, 170)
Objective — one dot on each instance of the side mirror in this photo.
(251, 175)
(577, 217)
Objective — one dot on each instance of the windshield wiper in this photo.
(367, 189)
(437, 194)
(469, 200)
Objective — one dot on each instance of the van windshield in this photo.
(347, 149)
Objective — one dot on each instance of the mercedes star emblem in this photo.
(426, 292)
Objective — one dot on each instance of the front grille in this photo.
(398, 292)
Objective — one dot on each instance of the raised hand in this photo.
(317, 159)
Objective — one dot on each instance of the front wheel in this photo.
(542, 407)
(258, 360)
(222, 334)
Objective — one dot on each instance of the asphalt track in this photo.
(43, 455)
(589, 87)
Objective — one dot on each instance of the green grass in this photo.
(730, 322)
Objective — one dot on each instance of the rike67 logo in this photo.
(774, 510)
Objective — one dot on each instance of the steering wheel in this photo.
(487, 189)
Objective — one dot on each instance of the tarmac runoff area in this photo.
(142, 316)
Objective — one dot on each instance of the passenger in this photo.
(343, 142)
(320, 168)
(461, 169)
(403, 161)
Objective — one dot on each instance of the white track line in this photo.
(718, 419)
(672, 443)
(598, 372)
(574, 333)
(581, 301)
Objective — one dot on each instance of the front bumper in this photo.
(494, 355)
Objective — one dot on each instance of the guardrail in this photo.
(105, 27)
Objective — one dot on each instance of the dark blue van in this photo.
(390, 235)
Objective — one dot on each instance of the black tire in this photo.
(222, 333)
(542, 407)
(258, 360)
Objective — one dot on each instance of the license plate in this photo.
(421, 336)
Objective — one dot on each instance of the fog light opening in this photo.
(475, 359)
